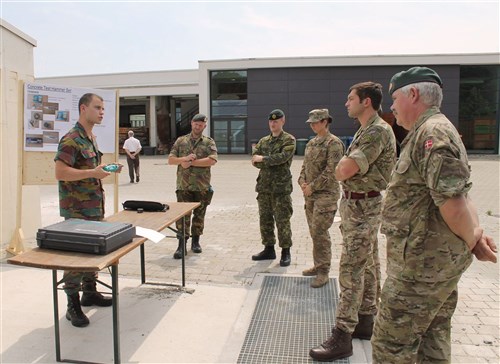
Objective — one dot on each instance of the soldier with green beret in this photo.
(431, 225)
(194, 154)
(363, 173)
(321, 191)
(273, 157)
(79, 171)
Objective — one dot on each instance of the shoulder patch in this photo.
(428, 144)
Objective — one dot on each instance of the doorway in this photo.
(230, 136)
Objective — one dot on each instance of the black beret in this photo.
(276, 114)
(413, 75)
(199, 117)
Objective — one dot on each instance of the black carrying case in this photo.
(85, 236)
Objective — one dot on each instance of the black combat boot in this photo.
(286, 258)
(74, 312)
(195, 244)
(267, 253)
(364, 328)
(337, 346)
(178, 252)
(91, 297)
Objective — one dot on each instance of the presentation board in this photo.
(50, 111)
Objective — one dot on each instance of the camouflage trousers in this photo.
(197, 223)
(413, 323)
(320, 211)
(275, 208)
(359, 272)
(73, 280)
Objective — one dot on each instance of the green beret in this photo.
(276, 114)
(413, 75)
(199, 117)
(318, 115)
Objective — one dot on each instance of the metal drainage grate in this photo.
(290, 318)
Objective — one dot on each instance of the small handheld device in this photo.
(111, 167)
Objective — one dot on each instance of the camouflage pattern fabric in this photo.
(274, 175)
(198, 221)
(374, 150)
(84, 198)
(413, 324)
(322, 155)
(424, 256)
(194, 178)
(275, 208)
(359, 271)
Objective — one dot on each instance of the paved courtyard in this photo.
(232, 235)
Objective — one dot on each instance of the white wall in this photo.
(16, 68)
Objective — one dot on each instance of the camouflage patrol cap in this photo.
(318, 115)
(199, 117)
(276, 114)
(413, 75)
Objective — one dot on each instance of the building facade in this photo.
(237, 95)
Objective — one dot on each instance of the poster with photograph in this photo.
(50, 111)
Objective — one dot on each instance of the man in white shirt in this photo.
(132, 147)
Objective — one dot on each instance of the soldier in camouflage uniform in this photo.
(431, 227)
(79, 171)
(321, 191)
(364, 172)
(273, 156)
(193, 154)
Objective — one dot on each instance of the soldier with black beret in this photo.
(273, 157)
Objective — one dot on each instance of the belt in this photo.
(358, 196)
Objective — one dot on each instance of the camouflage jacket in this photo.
(84, 198)
(318, 169)
(194, 178)
(374, 150)
(432, 168)
(275, 175)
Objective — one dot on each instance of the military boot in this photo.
(267, 253)
(286, 258)
(178, 252)
(337, 346)
(310, 272)
(195, 244)
(91, 297)
(364, 328)
(74, 311)
(320, 280)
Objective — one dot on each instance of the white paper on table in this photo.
(150, 234)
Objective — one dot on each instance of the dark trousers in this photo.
(133, 166)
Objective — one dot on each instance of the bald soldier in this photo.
(431, 226)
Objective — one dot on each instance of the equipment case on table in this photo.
(85, 236)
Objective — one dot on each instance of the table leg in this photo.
(56, 315)
(143, 266)
(116, 318)
(183, 250)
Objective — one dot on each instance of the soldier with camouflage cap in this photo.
(321, 191)
(273, 157)
(364, 172)
(193, 154)
(431, 225)
(79, 171)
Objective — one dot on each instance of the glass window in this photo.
(478, 112)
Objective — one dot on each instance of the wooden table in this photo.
(81, 262)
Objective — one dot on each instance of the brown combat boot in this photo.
(320, 280)
(364, 328)
(337, 346)
(310, 272)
